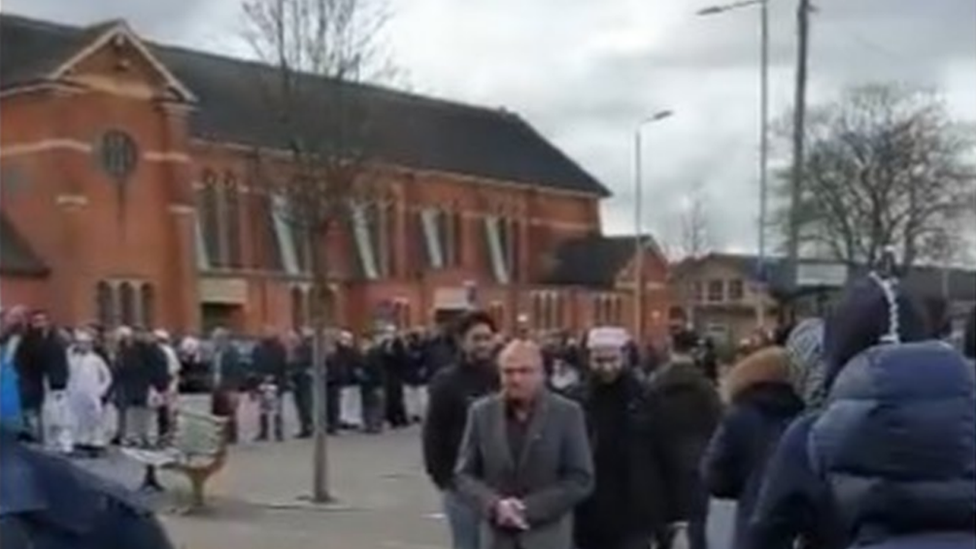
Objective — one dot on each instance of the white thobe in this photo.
(89, 379)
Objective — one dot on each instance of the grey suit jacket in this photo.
(551, 476)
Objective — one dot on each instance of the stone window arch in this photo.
(128, 314)
(299, 307)
(147, 305)
(105, 310)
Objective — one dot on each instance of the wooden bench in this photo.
(198, 450)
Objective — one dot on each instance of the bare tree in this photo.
(318, 52)
(695, 239)
(886, 167)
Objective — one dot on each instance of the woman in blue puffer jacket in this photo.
(897, 446)
(795, 507)
(763, 402)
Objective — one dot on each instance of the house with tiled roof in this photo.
(126, 198)
(728, 296)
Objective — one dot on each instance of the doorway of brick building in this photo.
(221, 315)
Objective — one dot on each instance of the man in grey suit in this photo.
(525, 461)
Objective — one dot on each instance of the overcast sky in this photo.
(586, 71)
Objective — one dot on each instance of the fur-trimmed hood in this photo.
(769, 365)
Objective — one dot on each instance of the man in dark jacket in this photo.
(624, 510)
(685, 409)
(270, 358)
(300, 372)
(346, 366)
(227, 380)
(48, 502)
(142, 372)
(395, 364)
(896, 444)
(415, 377)
(794, 503)
(42, 364)
(451, 393)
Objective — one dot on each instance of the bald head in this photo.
(522, 373)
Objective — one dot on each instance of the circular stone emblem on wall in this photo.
(118, 154)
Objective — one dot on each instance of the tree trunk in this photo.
(320, 290)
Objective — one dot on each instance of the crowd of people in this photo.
(855, 430)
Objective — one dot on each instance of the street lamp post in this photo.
(639, 244)
(763, 128)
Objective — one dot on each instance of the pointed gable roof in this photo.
(594, 260)
(35, 51)
(102, 34)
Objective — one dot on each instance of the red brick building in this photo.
(126, 198)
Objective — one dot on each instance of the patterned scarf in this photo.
(805, 353)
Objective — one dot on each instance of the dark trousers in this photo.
(396, 408)
(372, 398)
(271, 418)
(223, 403)
(164, 424)
(303, 403)
(333, 406)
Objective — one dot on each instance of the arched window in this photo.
(105, 304)
(537, 310)
(232, 221)
(209, 208)
(557, 311)
(147, 304)
(299, 314)
(550, 302)
(127, 304)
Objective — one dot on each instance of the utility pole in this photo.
(799, 128)
(763, 155)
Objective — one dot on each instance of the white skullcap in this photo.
(84, 336)
(161, 335)
(190, 345)
(607, 336)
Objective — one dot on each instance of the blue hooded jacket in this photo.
(10, 410)
(794, 502)
(897, 445)
(47, 501)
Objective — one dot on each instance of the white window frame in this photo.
(364, 242)
(431, 228)
(496, 249)
(203, 258)
(285, 235)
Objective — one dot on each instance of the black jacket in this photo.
(625, 502)
(40, 358)
(141, 366)
(270, 358)
(451, 393)
(685, 410)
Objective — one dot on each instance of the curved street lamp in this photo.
(639, 243)
(763, 126)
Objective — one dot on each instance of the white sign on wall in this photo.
(823, 274)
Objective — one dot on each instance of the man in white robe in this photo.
(89, 380)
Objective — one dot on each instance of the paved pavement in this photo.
(384, 499)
